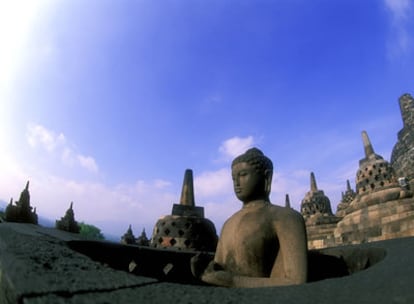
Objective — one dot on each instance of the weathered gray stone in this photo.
(34, 262)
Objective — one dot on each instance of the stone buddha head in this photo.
(252, 176)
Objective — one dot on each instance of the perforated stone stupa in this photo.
(315, 203)
(382, 209)
(402, 157)
(346, 198)
(376, 181)
(319, 219)
(186, 228)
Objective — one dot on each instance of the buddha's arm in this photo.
(293, 262)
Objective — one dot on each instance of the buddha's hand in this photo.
(216, 275)
(199, 263)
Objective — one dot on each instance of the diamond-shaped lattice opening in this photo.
(160, 240)
(180, 232)
(167, 231)
(173, 242)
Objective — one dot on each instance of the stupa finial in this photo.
(368, 149)
(313, 185)
(287, 201)
(348, 185)
(187, 193)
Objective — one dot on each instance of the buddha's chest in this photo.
(249, 243)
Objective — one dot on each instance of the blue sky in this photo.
(106, 103)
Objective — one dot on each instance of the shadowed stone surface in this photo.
(35, 261)
(74, 278)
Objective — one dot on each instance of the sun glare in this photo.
(16, 21)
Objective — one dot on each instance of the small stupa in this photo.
(347, 197)
(186, 228)
(68, 222)
(315, 200)
(22, 211)
(128, 238)
(142, 240)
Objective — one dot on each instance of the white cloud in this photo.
(88, 163)
(39, 135)
(161, 184)
(235, 146)
(213, 183)
(56, 143)
(399, 8)
(401, 14)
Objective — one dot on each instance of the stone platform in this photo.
(38, 266)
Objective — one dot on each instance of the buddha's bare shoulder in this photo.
(284, 214)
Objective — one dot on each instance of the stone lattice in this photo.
(374, 172)
(402, 157)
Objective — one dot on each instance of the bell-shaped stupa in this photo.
(315, 201)
(186, 228)
(376, 181)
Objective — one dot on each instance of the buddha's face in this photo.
(248, 183)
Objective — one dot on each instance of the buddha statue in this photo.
(262, 244)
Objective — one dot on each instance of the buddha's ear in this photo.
(268, 181)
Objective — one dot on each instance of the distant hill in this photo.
(3, 204)
(45, 222)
